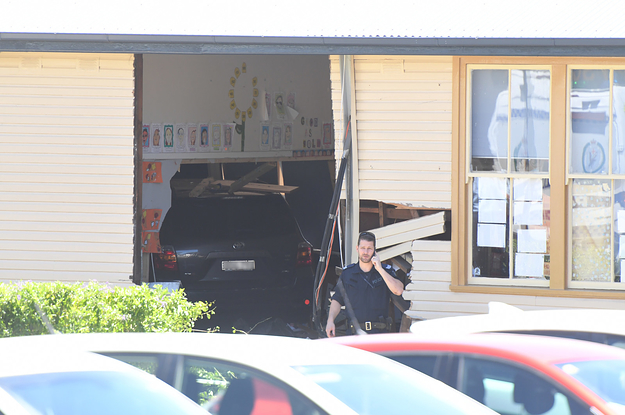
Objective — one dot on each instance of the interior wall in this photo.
(195, 89)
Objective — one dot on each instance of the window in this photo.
(540, 175)
(509, 136)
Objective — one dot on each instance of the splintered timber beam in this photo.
(409, 230)
(253, 175)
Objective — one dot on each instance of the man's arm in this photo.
(393, 284)
(335, 308)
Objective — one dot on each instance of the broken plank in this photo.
(393, 251)
(200, 187)
(409, 225)
(410, 235)
(260, 187)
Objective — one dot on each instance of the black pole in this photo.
(324, 252)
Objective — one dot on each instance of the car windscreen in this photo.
(606, 378)
(97, 393)
(373, 389)
(222, 218)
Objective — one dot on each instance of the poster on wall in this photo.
(145, 138)
(204, 143)
(287, 144)
(290, 100)
(278, 100)
(216, 136)
(276, 137)
(266, 107)
(228, 131)
(264, 137)
(150, 242)
(152, 172)
(327, 135)
(151, 219)
(192, 137)
(168, 142)
(156, 145)
(180, 138)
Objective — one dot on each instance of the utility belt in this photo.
(373, 325)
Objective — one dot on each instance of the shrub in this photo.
(95, 307)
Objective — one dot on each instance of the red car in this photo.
(514, 374)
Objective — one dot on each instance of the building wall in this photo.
(403, 117)
(66, 167)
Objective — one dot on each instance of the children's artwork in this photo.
(157, 143)
(152, 172)
(204, 144)
(327, 135)
(192, 137)
(180, 138)
(288, 136)
(267, 106)
(276, 137)
(151, 219)
(145, 137)
(228, 131)
(290, 100)
(168, 142)
(278, 100)
(150, 242)
(216, 137)
(264, 137)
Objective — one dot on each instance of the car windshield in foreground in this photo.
(97, 393)
(604, 377)
(371, 389)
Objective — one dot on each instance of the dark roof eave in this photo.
(114, 43)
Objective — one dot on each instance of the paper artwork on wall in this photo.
(192, 135)
(216, 136)
(150, 242)
(180, 138)
(228, 132)
(327, 135)
(276, 137)
(290, 100)
(204, 141)
(151, 219)
(266, 107)
(145, 138)
(264, 137)
(287, 144)
(278, 100)
(168, 141)
(152, 172)
(157, 143)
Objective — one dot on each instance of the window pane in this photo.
(529, 129)
(590, 97)
(618, 123)
(619, 229)
(489, 120)
(531, 215)
(490, 227)
(591, 217)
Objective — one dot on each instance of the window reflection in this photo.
(618, 123)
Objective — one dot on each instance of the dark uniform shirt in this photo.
(368, 294)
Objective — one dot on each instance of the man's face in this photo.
(365, 251)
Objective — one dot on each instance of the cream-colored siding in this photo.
(430, 296)
(66, 167)
(403, 111)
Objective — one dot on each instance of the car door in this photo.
(512, 389)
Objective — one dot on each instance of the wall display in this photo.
(168, 142)
(192, 135)
(180, 138)
(145, 138)
(264, 137)
(216, 136)
(328, 131)
(228, 133)
(276, 137)
(152, 172)
(290, 100)
(204, 142)
(157, 143)
(278, 101)
(151, 219)
(243, 98)
(150, 242)
(287, 144)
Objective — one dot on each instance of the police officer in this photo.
(368, 286)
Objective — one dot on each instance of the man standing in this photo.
(368, 286)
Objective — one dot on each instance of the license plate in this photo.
(245, 265)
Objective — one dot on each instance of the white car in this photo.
(600, 326)
(42, 381)
(236, 374)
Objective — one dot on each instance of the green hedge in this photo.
(95, 307)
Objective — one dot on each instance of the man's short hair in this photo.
(366, 236)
